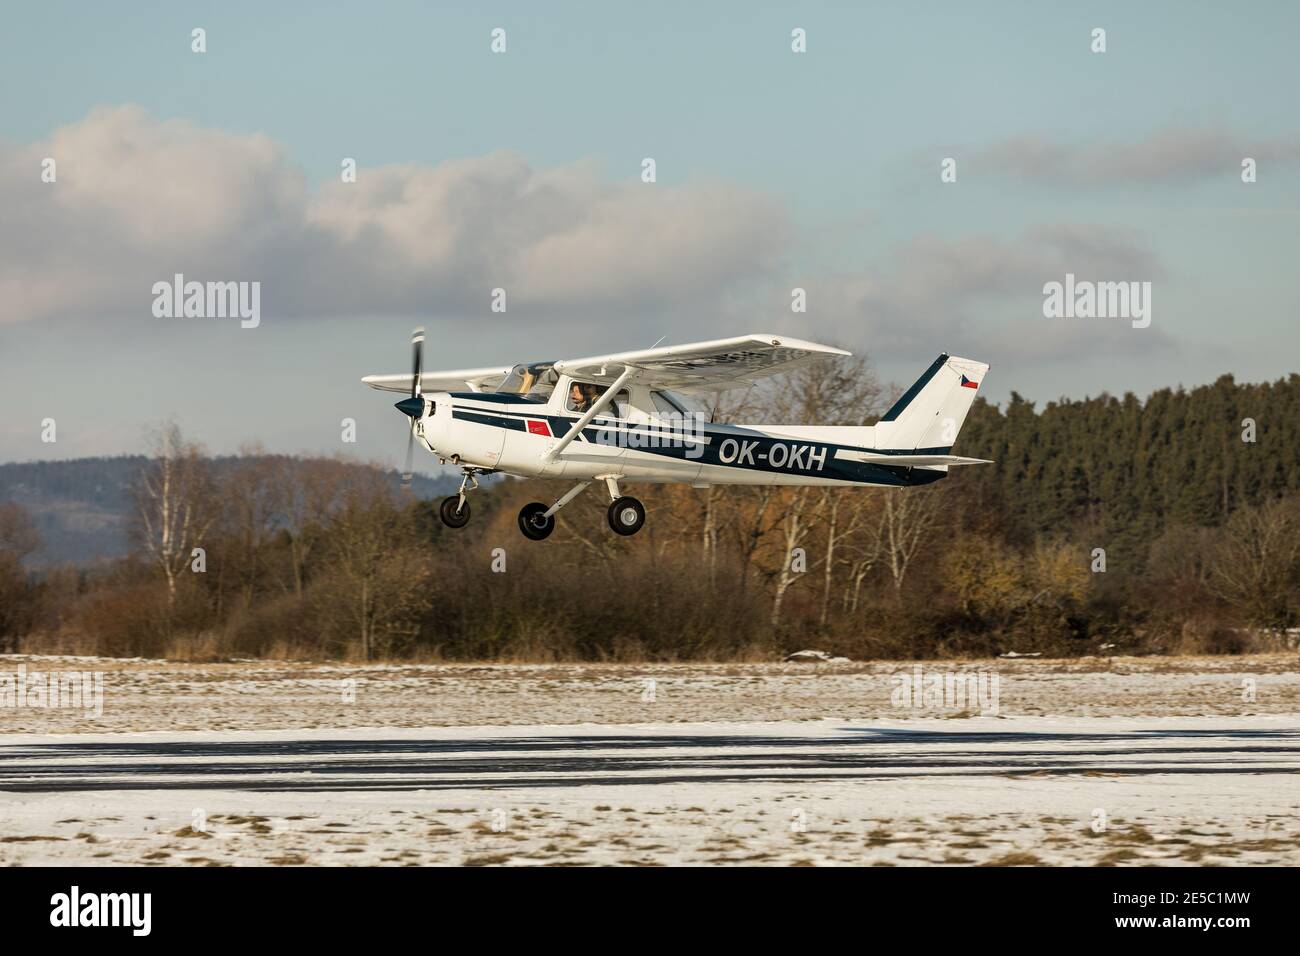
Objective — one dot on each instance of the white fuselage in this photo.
(638, 442)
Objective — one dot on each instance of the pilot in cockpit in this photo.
(582, 397)
(579, 398)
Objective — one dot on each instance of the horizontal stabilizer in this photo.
(917, 461)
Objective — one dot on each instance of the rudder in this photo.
(927, 417)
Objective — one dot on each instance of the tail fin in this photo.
(927, 417)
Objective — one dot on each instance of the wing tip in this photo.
(769, 338)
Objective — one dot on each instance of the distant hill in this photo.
(81, 506)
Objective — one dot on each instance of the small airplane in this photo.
(622, 417)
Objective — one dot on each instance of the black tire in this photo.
(532, 524)
(452, 518)
(626, 515)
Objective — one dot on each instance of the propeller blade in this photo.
(417, 360)
(410, 453)
(413, 406)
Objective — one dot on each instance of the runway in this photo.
(923, 791)
(465, 758)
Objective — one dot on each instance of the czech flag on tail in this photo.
(967, 383)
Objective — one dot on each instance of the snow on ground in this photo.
(883, 791)
(1121, 760)
(267, 695)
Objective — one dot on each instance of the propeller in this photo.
(413, 406)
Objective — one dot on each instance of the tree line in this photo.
(1106, 525)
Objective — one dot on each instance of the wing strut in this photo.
(597, 407)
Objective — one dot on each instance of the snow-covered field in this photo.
(773, 764)
(272, 695)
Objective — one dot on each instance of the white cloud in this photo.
(983, 294)
(139, 199)
(1171, 155)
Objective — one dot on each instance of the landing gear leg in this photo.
(537, 521)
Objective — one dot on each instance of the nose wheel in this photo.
(626, 515)
(454, 509)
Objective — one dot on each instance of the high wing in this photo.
(724, 363)
(456, 380)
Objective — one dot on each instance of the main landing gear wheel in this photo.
(454, 512)
(534, 523)
(626, 515)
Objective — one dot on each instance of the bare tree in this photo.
(908, 517)
(176, 505)
(1257, 562)
(382, 575)
(18, 539)
(845, 392)
(798, 519)
(845, 545)
(721, 508)
(305, 494)
(752, 523)
(252, 518)
(840, 391)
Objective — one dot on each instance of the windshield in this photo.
(536, 378)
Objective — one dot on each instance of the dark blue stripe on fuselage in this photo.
(486, 418)
(560, 426)
(754, 454)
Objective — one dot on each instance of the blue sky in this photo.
(833, 155)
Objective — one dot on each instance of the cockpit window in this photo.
(582, 396)
(536, 378)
